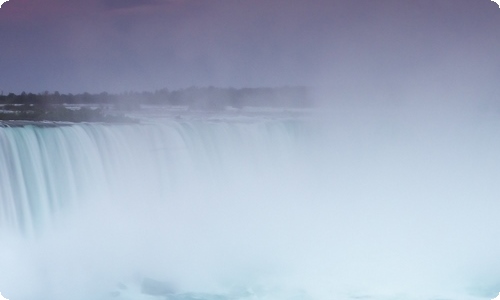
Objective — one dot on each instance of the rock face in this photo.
(155, 287)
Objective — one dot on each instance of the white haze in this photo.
(394, 192)
(376, 202)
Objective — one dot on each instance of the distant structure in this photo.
(496, 1)
(2, 297)
(2, 2)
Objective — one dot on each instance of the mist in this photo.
(388, 188)
(355, 202)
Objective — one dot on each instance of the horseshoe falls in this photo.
(346, 207)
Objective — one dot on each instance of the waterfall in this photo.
(48, 169)
(274, 208)
(76, 196)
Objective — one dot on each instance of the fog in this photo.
(390, 190)
(354, 202)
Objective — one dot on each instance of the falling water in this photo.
(251, 208)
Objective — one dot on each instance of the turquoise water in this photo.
(250, 208)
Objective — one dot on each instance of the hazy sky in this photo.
(383, 47)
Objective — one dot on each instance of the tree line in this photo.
(203, 98)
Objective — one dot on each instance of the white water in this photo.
(253, 209)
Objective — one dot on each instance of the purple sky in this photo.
(383, 47)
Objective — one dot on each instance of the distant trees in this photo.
(197, 98)
(37, 112)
